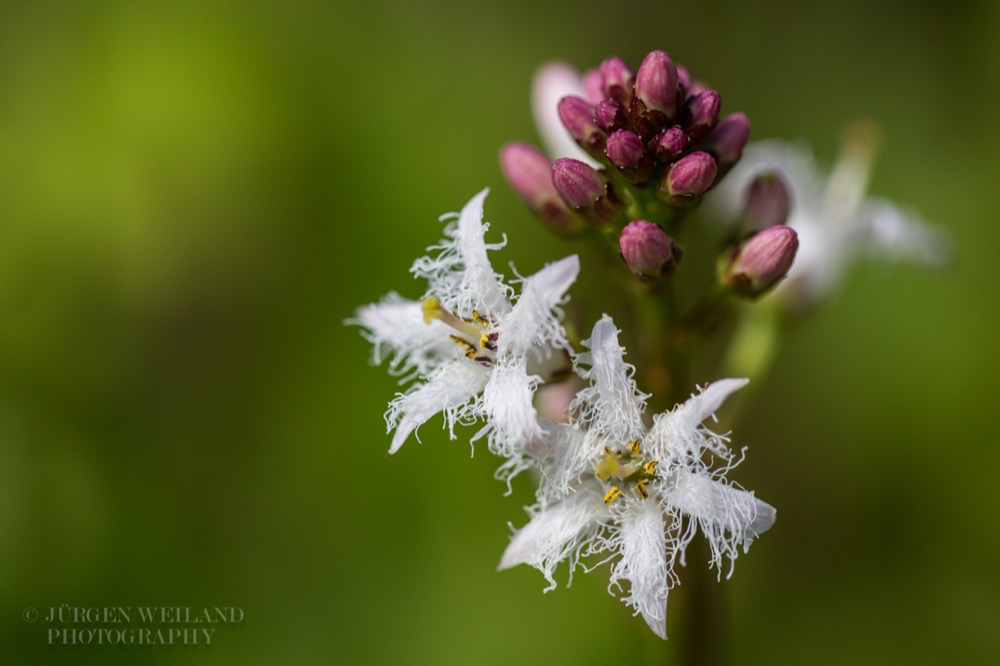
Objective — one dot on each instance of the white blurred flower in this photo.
(475, 352)
(613, 486)
(551, 83)
(834, 219)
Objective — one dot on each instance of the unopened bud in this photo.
(697, 88)
(728, 138)
(585, 190)
(593, 85)
(577, 115)
(701, 113)
(768, 202)
(688, 178)
(670, 144)
(683, 79)
(647, 250)
(528, 172)
(609, 115)
(618, 80)
(627, 152)
(760, 262)
(656, 83)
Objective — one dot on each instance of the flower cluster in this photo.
(610, 484)
(632, 155)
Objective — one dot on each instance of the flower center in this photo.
(625, 469)
(475, 328)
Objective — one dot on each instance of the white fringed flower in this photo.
(476, 353)
(834, 220)
(613, 486)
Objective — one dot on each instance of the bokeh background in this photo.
(193, 197)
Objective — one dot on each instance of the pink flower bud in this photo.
(647, 250)
(618, 80)
(656, 83)
(577, 115)
(528, 172)
(585, 190)
(728, 138)
(627, 152)
(593, 85)
(768, 202)
(609, 115)
(689, 178)
(701, 113)
(670, 144)
(683, 79)
(760, 262)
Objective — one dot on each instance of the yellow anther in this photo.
(479, 318)
(609, 452)
(635, 446)
(484, 340)
(464, 344)
(650, 467)
(641, 489)
(612, 495)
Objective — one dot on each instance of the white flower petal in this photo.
(894, 234)
(507, 401)
(552, 82)
(452, 388)
(570, 454)
(396, 328)
(702, 405)
(728, 516)
(534, 319)
(678, 435)
(644, 563)
(612, 405)
(460, 275)
(554, 534)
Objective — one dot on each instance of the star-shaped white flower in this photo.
(476, 353)
(833, 218)
(613, 486)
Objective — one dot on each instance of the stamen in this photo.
(464, 344)
(635, 447)
(609, 452)
(613, 494)
(650, 467)
(641, 489)
(432, 309)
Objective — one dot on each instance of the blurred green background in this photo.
(194, 195)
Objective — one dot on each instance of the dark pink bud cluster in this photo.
(656, 127)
